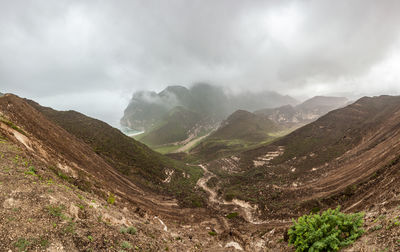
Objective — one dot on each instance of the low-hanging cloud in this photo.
(68, 48)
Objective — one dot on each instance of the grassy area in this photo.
(167, 148)
(172, 128)
(282, 133)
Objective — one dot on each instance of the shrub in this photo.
(111, 199)
(22, 244)
(131, 230)
(329, 231)
(126, 245)
(31, 171)
(56, 211)
(128, 230)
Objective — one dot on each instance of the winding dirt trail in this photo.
(246, 209)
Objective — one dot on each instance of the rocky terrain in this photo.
(64, 189)
(303, 113)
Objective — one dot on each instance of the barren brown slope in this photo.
(63, 151)
(136, 161)
(66, 208)
(338, 151)
(48, 207)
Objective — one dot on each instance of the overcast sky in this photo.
(92, 55)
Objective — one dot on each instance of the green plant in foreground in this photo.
(56, 211)
(22, 244)
(126, 245)
(232, 215)
(128, 230)
(31, 171)
(111, 199)
(212, 233)
(329, 231)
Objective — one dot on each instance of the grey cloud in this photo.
(71, 48)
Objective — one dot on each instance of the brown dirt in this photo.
(55, 188)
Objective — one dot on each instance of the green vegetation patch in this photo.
(126, 245)
(232, 215)
(111, 199)
(212, 233)
(330, 231)
(30, 171)
(22, 244)
(12, 125)
(167, 148)
(128, 230)
(57, 211)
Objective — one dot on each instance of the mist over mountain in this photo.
(212, 102)
(306, 112)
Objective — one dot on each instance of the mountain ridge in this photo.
(304, 112)
(147, 110)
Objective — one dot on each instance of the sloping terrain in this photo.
(42, 208)
(350, 157)
(50, 140)
(306, 112)
(176, 127)
(335, 152)
(131, 158)
(240, 130)
(59, 194)
(245, 126)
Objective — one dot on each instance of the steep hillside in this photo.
(131, 158)
(175, 127)
(240, 130)
(322, 104)
(304, 113)
(245, 126)
(59, 195)
(339, 150)
(42, 209)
